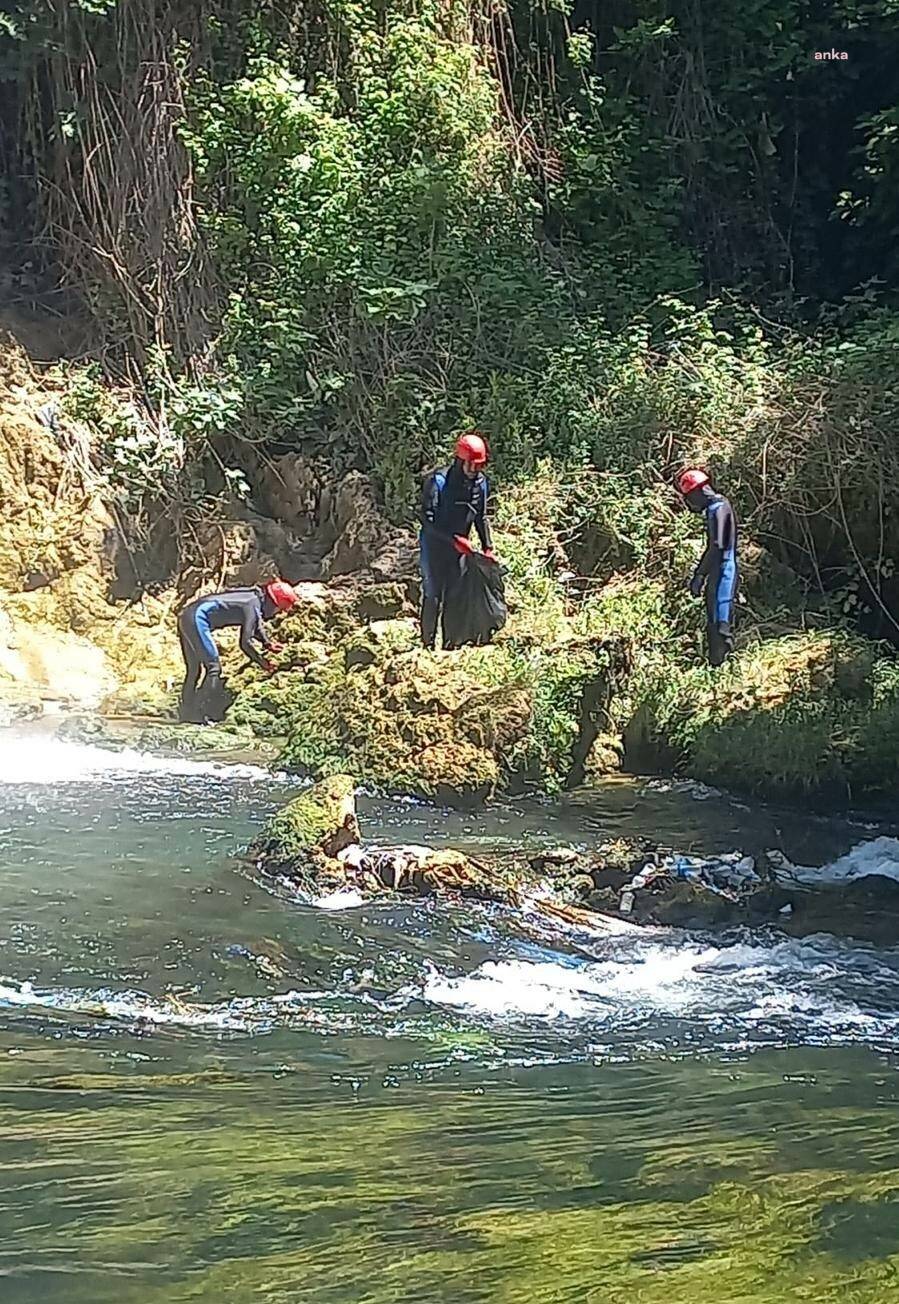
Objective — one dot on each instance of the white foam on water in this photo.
(593, 990)
(642, 995)
(239, 1015)
(877, 856)
(340, 899)
(812, 989)
(122, 1005)
(35, 761)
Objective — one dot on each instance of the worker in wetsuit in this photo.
(453, 501)
(717, 571)
(244, 608)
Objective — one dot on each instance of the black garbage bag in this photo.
(475, 604)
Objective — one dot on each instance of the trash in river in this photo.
(731, 876)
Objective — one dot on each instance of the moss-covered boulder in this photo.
(808, 715)
(316, 843)
(303, 837)
(454, 727)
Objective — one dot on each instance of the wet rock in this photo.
(17, 708)
(212, 741)
(857, 894)
(556, 858)
(303, 839)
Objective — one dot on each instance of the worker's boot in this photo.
(720, 642)
(430, 611)
(212, 696)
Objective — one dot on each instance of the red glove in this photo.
(490, 554)
(462, 545)
(269, 667)
(275, 647)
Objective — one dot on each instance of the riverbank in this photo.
(591, 676)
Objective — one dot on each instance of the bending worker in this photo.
(453, 501)
(245, 608)
(717, 571)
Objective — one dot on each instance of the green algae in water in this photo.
(666, 1183)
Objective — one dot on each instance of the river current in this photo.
(211, 1091)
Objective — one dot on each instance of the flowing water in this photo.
(211, 1092)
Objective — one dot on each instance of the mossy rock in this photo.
(455, 773)
(193, 739)
(127, 703)
(185, 739)
(304, 836)
(381, 602)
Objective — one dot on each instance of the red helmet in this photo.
(470, 447)
(687, 481)
(282, 594)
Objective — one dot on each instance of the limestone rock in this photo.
(456, 773)
(291, 489)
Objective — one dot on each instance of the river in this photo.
(212, 1092)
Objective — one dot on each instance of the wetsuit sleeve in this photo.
(481, 523)
(250, 629)
(430, 497)
(724, 529)
(430, 505)
(712, 548)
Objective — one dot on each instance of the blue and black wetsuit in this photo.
(244, 608)
(719, 572)
(452, 502)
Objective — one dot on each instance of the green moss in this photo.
(814, 714)
(314, 825)
(771, 1181)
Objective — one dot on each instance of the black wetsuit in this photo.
(451, 504)
(719, 573)
(245, 608)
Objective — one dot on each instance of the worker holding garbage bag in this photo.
(462, 590)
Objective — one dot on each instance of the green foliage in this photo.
(803, 716)
(136, 457)
(610, 248)
(379, 243)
